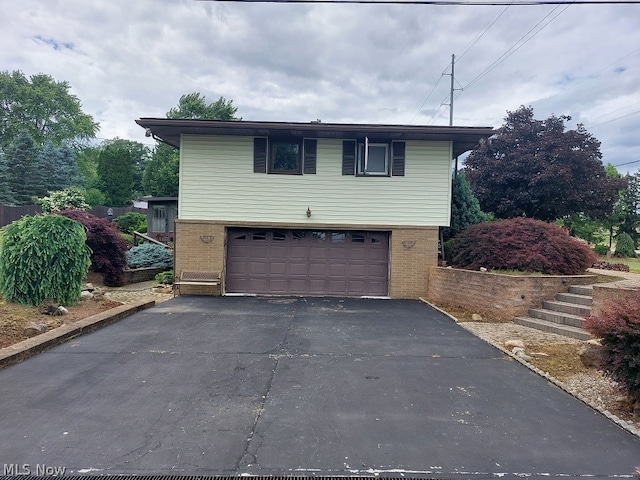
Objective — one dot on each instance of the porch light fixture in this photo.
(308, 212)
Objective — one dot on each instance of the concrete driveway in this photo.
(201, 385)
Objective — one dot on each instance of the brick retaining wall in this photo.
(498, 296)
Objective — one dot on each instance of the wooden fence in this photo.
(10, 214)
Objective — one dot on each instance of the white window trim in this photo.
(387, 161)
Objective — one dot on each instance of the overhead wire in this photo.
(519, 44)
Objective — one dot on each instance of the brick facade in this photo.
(413, 253)
(502, 297)
(200, 245)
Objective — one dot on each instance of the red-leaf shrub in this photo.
(107, 246)
(617, 324)
(522, 244)
(618, 267)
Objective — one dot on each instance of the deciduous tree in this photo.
(194, 105)
(44, 108)
(537, 169)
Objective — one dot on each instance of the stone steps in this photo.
(563, 316)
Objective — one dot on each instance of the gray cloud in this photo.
(340, 63)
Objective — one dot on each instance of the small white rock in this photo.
(62, 310)
(514, 343)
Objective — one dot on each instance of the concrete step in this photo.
(574, 298)
(552, 327)
(556, 317)
(581, 289)
(566, 307)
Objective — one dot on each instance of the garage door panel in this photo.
(305, 262)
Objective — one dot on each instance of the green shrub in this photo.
(601, 249)
(617, 324)
(149, 255)
(625, 246)
(72, 198)
(130, 222)
(165, 277)
(43, 256)
(521, 244)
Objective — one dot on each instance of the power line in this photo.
(613, 120)
(518, 45)
(442, 2)
(485, 30)
(627, 163)
(545, 100)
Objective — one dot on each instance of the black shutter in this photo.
(348, 157)
(259, 155)
(397, 169)
(310, 154)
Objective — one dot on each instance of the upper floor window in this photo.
(381, 159)
(373, 159)
(289, 156)
(285, 157)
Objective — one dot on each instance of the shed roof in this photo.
(169, 131)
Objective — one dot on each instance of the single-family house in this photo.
(314, 208)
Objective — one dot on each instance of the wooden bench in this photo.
(196, 279)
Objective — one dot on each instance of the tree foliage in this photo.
(115, 173)
(537, 169)
(194, 105)
(108, 248)
(160, 177)
(629, 208)
(32, 171)
(43, 256)
(42, 107)
(522, 244)
(465, 209)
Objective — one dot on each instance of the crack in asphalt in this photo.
(248, 458)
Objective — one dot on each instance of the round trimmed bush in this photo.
(521, 244)
(44, 256)
(149, 255)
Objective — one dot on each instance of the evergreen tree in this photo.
(6, 193)
(115, 173)
(630, 208)
(465, 209)
(21, 177)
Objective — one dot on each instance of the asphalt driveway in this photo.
(201, 385)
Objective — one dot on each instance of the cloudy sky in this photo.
(126, 59)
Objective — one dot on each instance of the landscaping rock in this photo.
(591, 353)
(88, 287)
(476, 317)
(86, 295)
(514, 343)
(520, 353)
(62, 310)
(48, 307)
(32, 329)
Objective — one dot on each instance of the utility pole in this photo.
(453, 61)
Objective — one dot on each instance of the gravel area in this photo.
(591, 387)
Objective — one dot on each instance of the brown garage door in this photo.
(307, 262)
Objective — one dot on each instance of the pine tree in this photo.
(465, 209)
(20, 159)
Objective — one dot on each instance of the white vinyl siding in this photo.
(217, 183)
